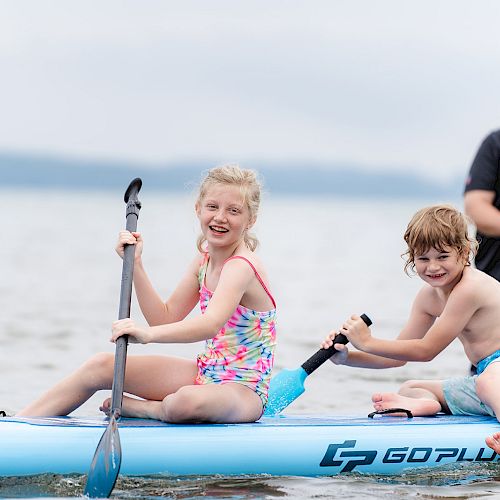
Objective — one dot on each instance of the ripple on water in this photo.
(451, 481)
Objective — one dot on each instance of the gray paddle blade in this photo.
(106, 463)
(285, 388)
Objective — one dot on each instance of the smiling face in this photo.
(224, 216)
(439, 227)
(440, 268)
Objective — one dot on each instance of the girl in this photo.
(229, 381)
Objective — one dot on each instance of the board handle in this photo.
(318, 358)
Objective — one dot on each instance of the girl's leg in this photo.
(164, 376)
(487, 390)
(421, 397)
(150, 377)
(212, 403)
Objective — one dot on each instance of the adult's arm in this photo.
(478, 205)
(482, 188)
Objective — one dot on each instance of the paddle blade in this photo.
(285, 388)
(106, 463)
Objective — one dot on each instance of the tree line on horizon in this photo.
(47, 172)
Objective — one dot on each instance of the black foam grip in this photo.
(318, 358)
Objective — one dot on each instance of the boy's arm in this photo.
(414, 342)
(417, 325)
(359, 359)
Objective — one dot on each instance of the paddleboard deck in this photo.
(283, 445)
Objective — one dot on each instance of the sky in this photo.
(388, 84)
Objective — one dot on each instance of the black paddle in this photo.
(107, 459)
(288, 385)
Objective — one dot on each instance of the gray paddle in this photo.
(107, 459)
(288, 385)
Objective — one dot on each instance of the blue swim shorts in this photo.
(482, 365)
(461, 397)
(460, 392)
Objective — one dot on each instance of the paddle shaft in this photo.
(317, 359)
(107, 460)
(132, 214)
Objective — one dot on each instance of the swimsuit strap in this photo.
(203, 268)
(256, 274)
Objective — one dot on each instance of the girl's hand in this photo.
(135, 334)
(340, 357)
(357, 332)
(128, 238)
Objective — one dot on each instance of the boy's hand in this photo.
(340, 357)
(357, 332)
(128, 327)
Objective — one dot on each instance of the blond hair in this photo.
(250, 187)
(441, 227)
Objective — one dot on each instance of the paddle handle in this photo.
(132, 215)
(317, 359)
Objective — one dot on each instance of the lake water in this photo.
(326, 259)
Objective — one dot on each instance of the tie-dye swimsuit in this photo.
(243, 350)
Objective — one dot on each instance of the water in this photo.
(326, 258)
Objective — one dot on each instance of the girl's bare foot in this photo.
(105, 407)
(493, 442)
(419, 407)
(135, 408)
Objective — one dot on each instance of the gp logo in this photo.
(342, 455)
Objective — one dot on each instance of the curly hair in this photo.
(441, 227)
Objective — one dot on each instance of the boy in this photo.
(457, 301)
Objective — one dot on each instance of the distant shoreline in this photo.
(17, 170)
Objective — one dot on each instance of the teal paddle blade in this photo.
(105, 464)
(285, 388)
